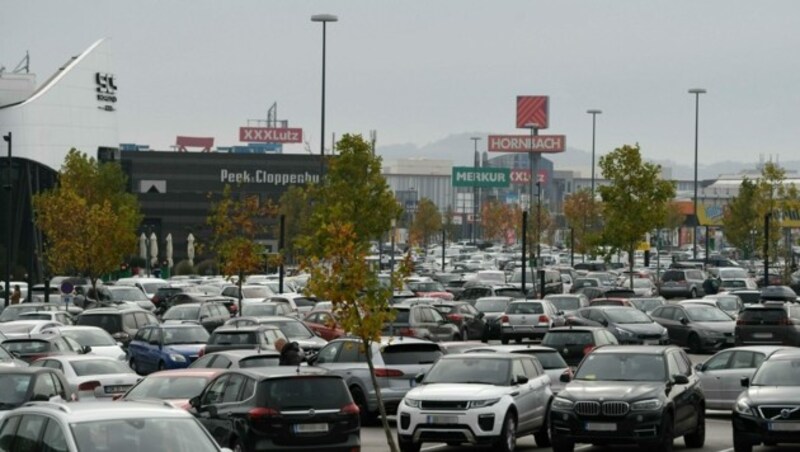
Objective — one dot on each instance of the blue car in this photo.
(160, 347)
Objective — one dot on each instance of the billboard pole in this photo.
(533, 160)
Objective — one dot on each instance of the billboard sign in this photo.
(467, 176)
(270, 135)
(543, 144)
(523, 176)
(532, 109)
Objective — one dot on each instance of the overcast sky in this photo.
(417, 71)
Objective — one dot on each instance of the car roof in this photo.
(513, 348)
(178, 373)
(577, 328)
(388, 340)
(284, 371)
(83, 358)
(102, 411)
(174, 325)
(99, 311)
(245, 328)
(245, 353)
(786, 353)
(767, 349)
(23, 370)
(487, 355)
(269, 318)
(649, 350)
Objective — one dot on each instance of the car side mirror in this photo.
(203, 317)
(680, 379)
(521, 380)
(565, 378)
(194, 402)
(86, 349)
(419, 377)
(700, 367)
(745, 382)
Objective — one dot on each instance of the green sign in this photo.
(466, 176)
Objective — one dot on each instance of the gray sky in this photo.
(418, 71)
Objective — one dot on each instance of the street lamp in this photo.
(475, 200)
(9, 224)
(697, 92)
(533, 160)
(391, 259)
(324, 18)
(594, 114)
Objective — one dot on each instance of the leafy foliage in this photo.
(296, 204)
(582, 215)
(427, 222)
(500, 220)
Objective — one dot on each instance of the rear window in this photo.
(27, 347)
(565, 303)
(233, 338)
(303, 393)
(514, 293)
(556, 338)
(673, 276)
(99, 367)
(549, 360)
(400, 354)
(401, 316)
(749, 297)
(112, 323)
(259, 361)
(763, 315)
(525, 308)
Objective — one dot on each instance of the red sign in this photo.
(270, 135)
(523, 176)
(532, 109)
(522, 143)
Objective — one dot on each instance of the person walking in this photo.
(291, 353)
(16, 295)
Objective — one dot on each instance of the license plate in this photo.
(600, 427)
(784, 426)
(116, 389)
(651, 342)
(762, 335)
(442, 419)
(310, 428)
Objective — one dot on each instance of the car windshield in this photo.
(630, 315)
(560, 338)
(13, 388)
(256, 292)
(259, 309)
(729, 273)
(477, 370)
(127, 294)
(86, 367)
(622, 367)
(259, 361)
(168, 387)
(491, 305)
(707, 314)
(778, 372)
(90, 337)
(188, 335)
(303, 393)
(646, 305)
(431, 286)
(233, 338)
(294, 329)
(139, 434)
(565, 303)
(402, 354)
(525, 308)
(182, 313)
(728, 303)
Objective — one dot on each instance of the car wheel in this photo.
(507, 442)
(694, 293)
(542, 437)
(697, 439)
(504, 340)
(667, 435)
(741, 444)
(695, 346)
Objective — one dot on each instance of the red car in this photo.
(611, 302)
(324, 324)
(429, 289)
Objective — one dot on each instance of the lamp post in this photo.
(533, 160)
(594, 113)
(9, 224)
(697, 92)
(391, 259)
(475, 199)
(324, 18)
(538, 223)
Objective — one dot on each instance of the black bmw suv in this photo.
(630, 395)
(769, 410)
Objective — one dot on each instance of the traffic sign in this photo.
(467, 176)
(66, 287)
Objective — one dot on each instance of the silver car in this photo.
(721, 374)
(397, 361)
(92, 376)
(552, 362)
(530, 319)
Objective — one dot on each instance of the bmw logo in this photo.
(785, 413)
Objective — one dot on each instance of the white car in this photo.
(477, 399)
(147, 285)
(17, 328)
(100, 342)
(92, 376)
(63, 317)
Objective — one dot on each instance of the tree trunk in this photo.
(384, 422)
(630, 261)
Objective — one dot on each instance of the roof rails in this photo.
(60, 406)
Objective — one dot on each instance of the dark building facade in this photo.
(176, 189)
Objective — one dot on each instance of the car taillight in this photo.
(455, 317)
(381, 372)
(262, 415)
(409, 332)
(350, 408)
(544, 319)
(504, 319)
(785, 321)
(201, 352)
(588, 349)
(88, 385)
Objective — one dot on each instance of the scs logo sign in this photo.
(106, 88)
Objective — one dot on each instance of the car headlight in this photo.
(624, 332)
(413, 403)
(481, 403)
(178, 358)
(560, 403)
(743, 407)
(647, 405)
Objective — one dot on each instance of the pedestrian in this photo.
(291, 353)
(16, 295)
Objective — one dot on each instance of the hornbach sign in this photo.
(466, 176)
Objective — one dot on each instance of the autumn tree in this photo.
(449, 224)
(296, 205)
(582, 214)
(494, 220)
(427, 222)
(237, 222)
(635, 200)
(353, 205)
(89, 219)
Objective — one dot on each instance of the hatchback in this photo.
(210, 315)
(466, 317)
(92, 376)
(260, 337)
(529, 319)
(682, 283)
(161, 347)
(695, 326)
(575, 342)
(121, 324)
(773, 323)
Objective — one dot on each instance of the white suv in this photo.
(477, 399)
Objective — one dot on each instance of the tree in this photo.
(296, 204)
(450, 227)
(236, 224)
(494, 220)
(89, 220)
(635, 200)
(582, 214)
(427, 221)
(743, 226)
(353, 206)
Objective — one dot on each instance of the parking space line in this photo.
(433, 447)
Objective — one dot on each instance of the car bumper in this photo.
(391, 399)
(713, 342)
(670, 292)
(352, 440)
(535, 332)
(756, 430)
(633, 428)
(474, 426)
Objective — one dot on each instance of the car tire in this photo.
(667, 435)
(697, 439)
(507, 442)
(693, 294)
(741, 444)
(504, 340)
(408, 446)
(542, 437)
(694, 343)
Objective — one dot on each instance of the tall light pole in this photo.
(697, 92)
(533, 160)
(9, 224)
(594, 114)
(324, 18)
(475, 201)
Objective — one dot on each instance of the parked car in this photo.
(642, 287)
(581, 282)
(552, 362)
(647, 304)
(429, 288)
(19, 328)
(124, 426)
(747, 296)
(773, 323)
(596, 302)
(18, 386)
(7, 360)
(697, 327)
(265, 308)
(629, 394)
(92, 376)
(259, 337)
(229, 304)
(237, 359)
(504, 396)
(33, 347)
(529, 319)
(396, 361)
(62, 317)
(456, 347)
(573, 343)
(121, 324)
(148, 286)
(474, 291)
(470, 322)
(175, 386)
(210, 315)
(629, 325)
(293, 329)
(778, 293)
(161, 347)
(251, 293)
(492, 309)
(687, 283)
(97, 339)
(721, 374)
(729, 303)
(11, 313)
(324, 323)
(131, 297)
(422, 322)
(279, 408)
(567, 303)
(765, 412)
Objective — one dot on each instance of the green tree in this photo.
(236, 225)
(427, 222)
(296, 204)
(353, 206)
(89, 220)
(635, 200)
(581, 214)
(743, 225)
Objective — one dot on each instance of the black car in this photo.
(768, 411)
(778, 293)
(211, 314)
(630, 395)
(698, 327)
(121, 324)
(19, 385)
(259, 337)
(492, 309)
(279, 408)
(469, 320)
(629, 325)
(573, 343)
